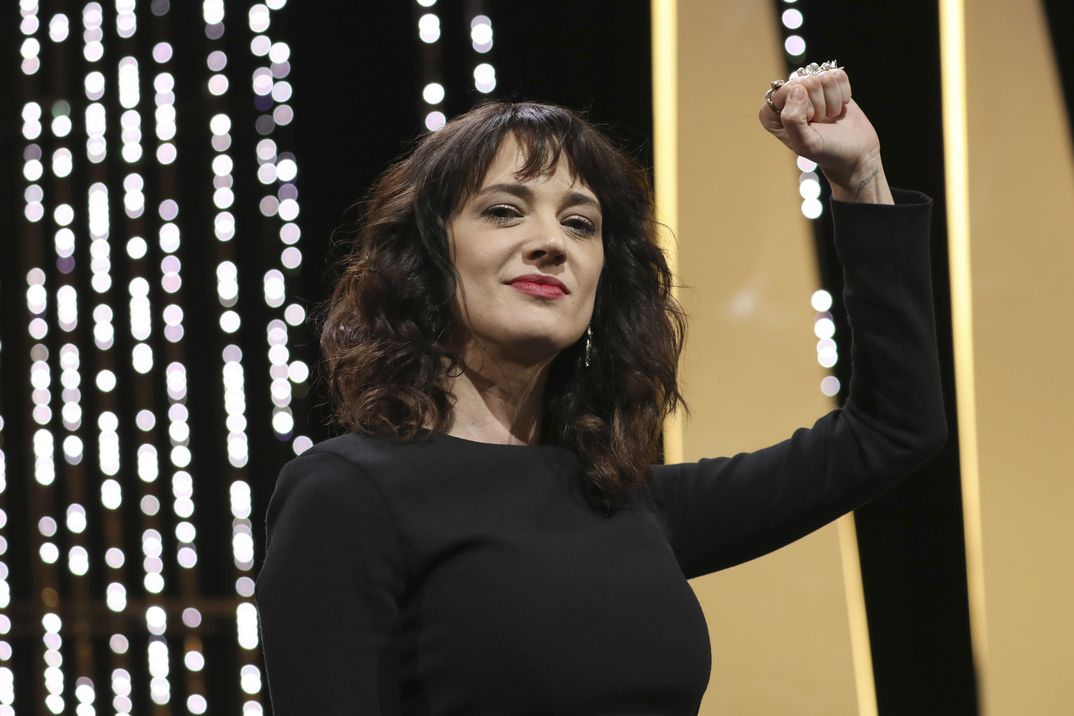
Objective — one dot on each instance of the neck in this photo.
(498, 401)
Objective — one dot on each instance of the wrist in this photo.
(863, 183)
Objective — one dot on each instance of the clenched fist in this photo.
(821, 122)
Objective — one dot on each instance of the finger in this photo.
(813, 86)
(783, 95)
(844, 84)
(800, 136)
(788, 89)
(833, 95)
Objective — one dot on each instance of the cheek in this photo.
(477, 274)
(478, 298)
(594, 272)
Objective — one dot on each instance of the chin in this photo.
(535, 347)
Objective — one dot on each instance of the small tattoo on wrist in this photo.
(866, 181)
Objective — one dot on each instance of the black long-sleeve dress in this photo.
(456, 577)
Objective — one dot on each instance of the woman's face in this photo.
(548, 227)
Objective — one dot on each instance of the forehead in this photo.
(511, 157)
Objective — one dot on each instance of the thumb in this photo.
(795, 119)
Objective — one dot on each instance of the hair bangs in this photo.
(544, 134)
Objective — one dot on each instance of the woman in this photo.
(490, 535)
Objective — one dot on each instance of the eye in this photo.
(582, 225)
(501, 213)
(504, 213)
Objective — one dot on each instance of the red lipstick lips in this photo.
(540, 285)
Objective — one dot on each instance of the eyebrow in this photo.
(572, 198)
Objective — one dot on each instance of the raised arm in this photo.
(719, 512)
(328, 591)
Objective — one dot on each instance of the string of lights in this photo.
(46, 574)
(225, 230)
(71, 395)
(481, 41)
(144, 359)
(429, 31)
(7, 676)
(176, 371)
(98, 224)
(220, 125)
(794, 45)
(433, 91)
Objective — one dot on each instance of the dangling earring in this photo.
(588, 344)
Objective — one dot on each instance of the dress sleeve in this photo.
(719, 512)
(329, 590)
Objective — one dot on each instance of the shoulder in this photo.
(349, 448)
(333, 468)
(348, 460)
(326, 497)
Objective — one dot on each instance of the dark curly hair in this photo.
(387, 328)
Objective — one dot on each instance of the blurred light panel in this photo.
(114, 337)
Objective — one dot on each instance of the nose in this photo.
(547, 246)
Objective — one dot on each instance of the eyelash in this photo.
(586, 226)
